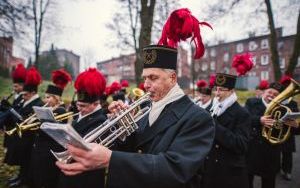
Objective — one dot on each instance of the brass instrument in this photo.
(137, 92)
(29, 123)
(117, 127)
(280, 132)
(4, 101)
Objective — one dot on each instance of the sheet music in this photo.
(64, 134)
(44, 113)
(290, 115)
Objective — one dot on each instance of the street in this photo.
(295, 182)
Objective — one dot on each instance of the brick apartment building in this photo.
(123, 68)
(218, 58)
(7, 60)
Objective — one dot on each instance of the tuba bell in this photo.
(118, 126)
(280, 132)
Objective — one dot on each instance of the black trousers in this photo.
(266, 182)
(287, 161)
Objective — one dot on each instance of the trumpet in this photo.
(137, 92)
(20, 128)
(119, 127)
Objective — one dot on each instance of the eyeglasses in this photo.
(220, 89)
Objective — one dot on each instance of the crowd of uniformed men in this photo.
(209, 141)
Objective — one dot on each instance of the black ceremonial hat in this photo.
(225, 80)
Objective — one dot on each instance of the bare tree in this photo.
(134, 28)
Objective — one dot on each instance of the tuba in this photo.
(118, 126)
(280, 132)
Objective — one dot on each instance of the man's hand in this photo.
(117, 106)
(267, 121)
(98, 157)
(291, 123)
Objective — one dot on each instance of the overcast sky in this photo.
(85, 33)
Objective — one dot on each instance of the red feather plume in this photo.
(33, 77)
(115, 86)
(124, 83)
(91, 81)
(107, 90)
(182, 25)
(142, 86)
(19, 73)
(285, 80)
(61, 78)
(264, 84)
(242, 63)
(201, 83)
(212, 80)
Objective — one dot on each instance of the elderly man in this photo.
(170, 144)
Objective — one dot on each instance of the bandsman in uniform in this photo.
(289, 146)
(18, 77)
(89, 86)
(205, 100)
(44, 173)
(21, 152)
(172, 139)
(263, 158)
(225, 166)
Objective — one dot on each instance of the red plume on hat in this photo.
(61, 78)
(201, 83)
(124, 83)
(285, 80)
(242, 63)
(90, 81)
(264, 84)
(33, 77)
(19, 74)
(212, 80)
(182, 25)
(107, 90)
(115, 86)
(142, 86)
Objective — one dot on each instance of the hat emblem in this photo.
(150, 57)
(220, 80)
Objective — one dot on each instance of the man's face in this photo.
(86, 108)
(204, 98)
(222, 93)
(269, 94)
(158, 82)
(27, 95)
(17, 87)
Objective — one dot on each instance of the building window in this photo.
(298, 62)
(282, 62)
(252, 45)
(252, 73)
(226, 57)
(213, 65)
(226, 70)
(264, 75)
(204, 67)
(205, 54)
(264, 44)
(264, 59)
(254, 60)
(213, 52)
(239, 48)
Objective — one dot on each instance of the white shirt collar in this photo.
(31, 99)
(80, 117)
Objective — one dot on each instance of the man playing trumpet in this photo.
(171, 142)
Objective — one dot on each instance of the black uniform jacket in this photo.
(263, 157)
(90, 179)
(225, 166)
(43, 171)
(167, 154)
(289, 145)
(20, 150)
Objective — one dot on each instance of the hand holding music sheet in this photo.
(64, 134)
